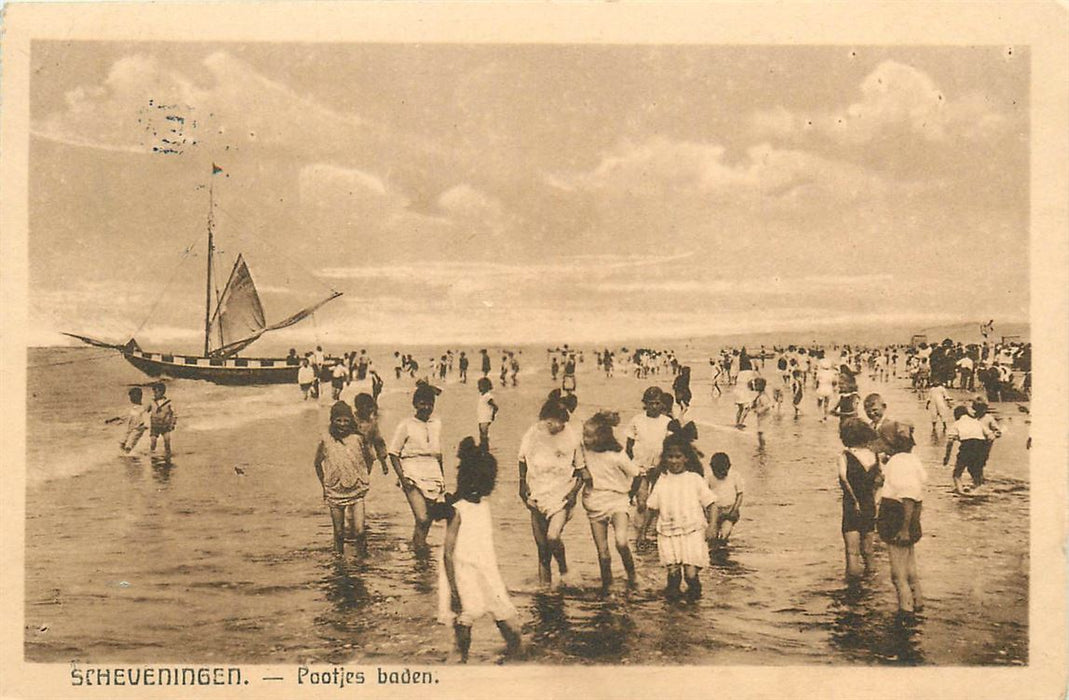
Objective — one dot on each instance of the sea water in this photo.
(223, 553)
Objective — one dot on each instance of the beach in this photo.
(224, 553)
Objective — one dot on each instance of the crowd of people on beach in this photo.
(643, 474)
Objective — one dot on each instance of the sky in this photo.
(527, 193)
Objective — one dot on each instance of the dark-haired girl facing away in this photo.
(469, 581)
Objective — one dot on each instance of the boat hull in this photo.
(231, 371)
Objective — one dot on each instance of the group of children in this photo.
(158, 417)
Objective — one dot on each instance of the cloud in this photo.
(895, 99)
(687, 173)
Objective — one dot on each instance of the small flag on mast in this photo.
(216, 169)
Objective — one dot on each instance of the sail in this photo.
(237, 346)
(239, 312)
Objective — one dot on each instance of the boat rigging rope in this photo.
(166, 287)
(238, 233)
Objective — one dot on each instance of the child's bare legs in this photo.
(640, 502)
(600, 531)
(694, 584)
(900, 562)
(462, 639)
(868, 550)
(914, 581)
(675, 579)
(620, 528)
(854, 565)
(510, 630)
(739, 413)
(337, 519)
(484, 436)
(166, 444)
(422, 526)
(547, 536)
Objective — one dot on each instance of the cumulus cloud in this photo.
(895, 99)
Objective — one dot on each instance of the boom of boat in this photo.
(236, 322)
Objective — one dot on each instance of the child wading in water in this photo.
(367, 427)
(684, 504)
(162, 418)
(727, 486)
(645, 435)
(605, 497)
(972, 438)
(469, 581)
(485, 411)
(899, 520)
(762, 407)
(136, 421)
(343, 469)
(416, 454)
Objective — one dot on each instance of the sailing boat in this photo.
(236, 322)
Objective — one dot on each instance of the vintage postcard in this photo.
(593, 349)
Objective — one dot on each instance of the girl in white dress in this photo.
(469, 581)
(605, 496)
(687, 518)
(416, 454)
(550, 462)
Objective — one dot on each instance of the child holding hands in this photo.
(687, 518)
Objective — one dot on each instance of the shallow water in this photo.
(139, 559)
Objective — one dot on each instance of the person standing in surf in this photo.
(162, 418)
(416, 454)
(551, 465)
(343, 469)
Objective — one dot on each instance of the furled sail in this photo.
(237, 346)
(239, 313)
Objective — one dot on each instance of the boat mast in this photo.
(208, 291)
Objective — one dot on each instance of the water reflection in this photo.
(864, 629)
(161, 470)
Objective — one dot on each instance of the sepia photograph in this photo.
(399, 339)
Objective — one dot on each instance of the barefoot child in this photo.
(727, 486)
(162, 418)
(859, 478)
(605, 497)
(797, 389)
(972, 439)
(469, 580)
(899, 520)
(136, 421)
(367, 427)
(485, 411)
(938, 405)
(761, 407)
(416, 455)
(343, 472)
(686, 518)
(550, 465)
(645, 435)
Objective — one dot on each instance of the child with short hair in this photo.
(343, 469)
(162, 418)
(416, 455)
(645, 434)
(727, 486)
(469, 580)
(136, 421)
(485, 410)
(899, 519)
(605, 496)
(938, 405)
(797, 389)
(972, 438)
(684, 505)
(761, 407)
(367, 426)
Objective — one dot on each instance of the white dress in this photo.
(482, 591)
